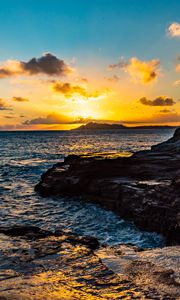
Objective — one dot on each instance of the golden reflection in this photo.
(58, 268)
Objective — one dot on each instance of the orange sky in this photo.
(41, 100)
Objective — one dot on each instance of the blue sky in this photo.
(81, 28)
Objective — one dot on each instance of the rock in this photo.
(64, 266)
(147, 267)
(34, 232)
(28, 231)
(143, 187)
(173, 144)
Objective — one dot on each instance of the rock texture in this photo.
(144, 187)
(40, 265)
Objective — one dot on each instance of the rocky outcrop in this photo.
(172, 145)
(37, 264)
(144, 187)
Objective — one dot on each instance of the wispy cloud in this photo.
(140, 71)
(4, 105)
(171, 117)
(121, 64)
(165, 111)
(55, 118)
(114, 78)
(177, 82)
(157, 118)
(159, 101)
(178, 70)
(9, 117)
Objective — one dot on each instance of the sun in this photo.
(86, 110)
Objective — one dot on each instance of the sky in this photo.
(64, 63)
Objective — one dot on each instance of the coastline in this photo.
(41, 264)
(143, 188)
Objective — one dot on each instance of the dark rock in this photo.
(26, 230)
(173, 144)
(35, 232)
(143, 187)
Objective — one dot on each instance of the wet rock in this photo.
(59, 267)
(28, 231)
(143, 187)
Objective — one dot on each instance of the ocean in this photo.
(26, 155)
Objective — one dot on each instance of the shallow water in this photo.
(26, 155)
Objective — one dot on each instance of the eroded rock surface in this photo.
(37, 264)
(144, 187)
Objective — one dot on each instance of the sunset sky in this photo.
(65, 62)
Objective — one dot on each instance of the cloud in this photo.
(55, 118)
(140, 71)
(177, 82)
(160, 101)
(165, 111)
(69, 90)
(47, 64)
(84, 80)
(166, 118)
(9, 127)
(9, 117)
(121, 64)
(4, 106)
(174, 29)
(20, 99)
(177, 70)
(113, 78)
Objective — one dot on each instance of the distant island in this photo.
(105, 126)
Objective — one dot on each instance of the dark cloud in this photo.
(47, 64)
(160, 101)
(55, 118)
(20, 99)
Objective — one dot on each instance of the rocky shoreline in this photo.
(144, 187)
(37, 264)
